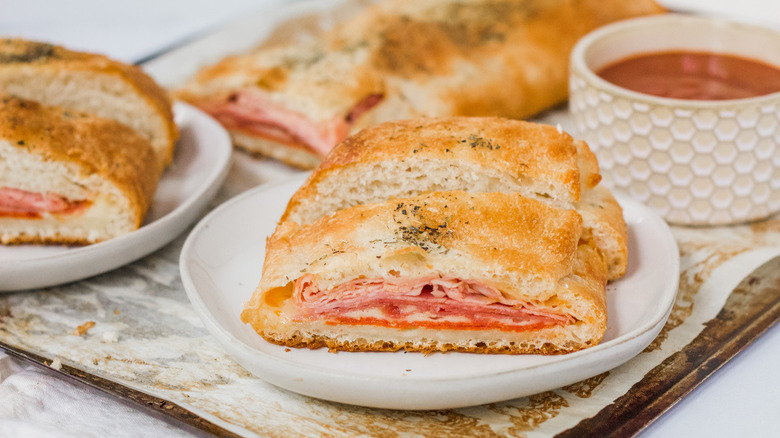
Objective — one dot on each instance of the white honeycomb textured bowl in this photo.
(694, 162)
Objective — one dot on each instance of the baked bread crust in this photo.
(482, 58)
(405, 158)
(100, 149)
(526, 249)
(428, 234)
(26, 66)
(427, 58)
(605, 224)
(532, 153)
(457, 233)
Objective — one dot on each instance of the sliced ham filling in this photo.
(431, 302)
(256, 114)
(32, 205)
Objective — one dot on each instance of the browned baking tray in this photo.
(751, 309)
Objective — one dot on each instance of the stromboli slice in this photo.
(55, 76)
(401, 59)
(69, 177)
(488, 272)
(487, 154)
(292, 103)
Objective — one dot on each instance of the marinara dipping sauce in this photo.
(694, 75)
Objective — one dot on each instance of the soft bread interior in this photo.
(401, 178)
(603, 219)
(109, 213)
(96, 93)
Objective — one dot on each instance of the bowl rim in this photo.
(578, 64)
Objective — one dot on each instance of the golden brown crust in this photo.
(524, 46)
(609, 228)
(20, 53)
(501, 234)
(516, 148)
(519, 50)
(428, 58)
(588, 165)
(405, 158)
(319, 341)
(96, 145)
(51, 240)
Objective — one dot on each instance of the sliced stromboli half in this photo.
(401, 59)
(487, 273)
(68, 177)
(55, 76)
(292, 104)
(406, 158)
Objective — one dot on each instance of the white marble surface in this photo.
(741, 399)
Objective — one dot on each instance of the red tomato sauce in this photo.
(694, 75)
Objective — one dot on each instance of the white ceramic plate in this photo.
(200, 165)
(221, 264)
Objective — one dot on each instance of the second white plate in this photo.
(221, 264)
(199, 167)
